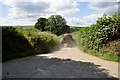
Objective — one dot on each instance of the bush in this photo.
(114, 47)
(21, 42)
(14, 44)
(44, 42)
(98, 36)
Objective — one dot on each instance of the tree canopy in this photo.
(41, 23)
(55, 24)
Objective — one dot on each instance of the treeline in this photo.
(102, 38)
(55, 24)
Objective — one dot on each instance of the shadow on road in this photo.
(43, 67)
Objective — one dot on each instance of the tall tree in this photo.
(40, 24)
(57, 24)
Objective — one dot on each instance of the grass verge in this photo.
(102, 54)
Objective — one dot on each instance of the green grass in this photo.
(106, 56)
(102, 54)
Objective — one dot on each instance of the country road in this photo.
(66, 63)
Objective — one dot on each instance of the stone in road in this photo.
(66, 63)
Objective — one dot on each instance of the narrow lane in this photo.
(66, 63)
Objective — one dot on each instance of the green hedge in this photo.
(14, 44)
(99, 36)
(21, 42)
(44, 42)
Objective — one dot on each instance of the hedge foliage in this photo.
(42, 42)
(14, 44)
(19, 42)
(99, 35)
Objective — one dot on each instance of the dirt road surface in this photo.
(66, 63)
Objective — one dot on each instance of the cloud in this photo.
(98, 0)
(63, 7)
(84, 21)
(99, 5)
(92, 18)
(32, 9)
(14, 22)
(104, 7)
(75, 22)
(64, 0)
(26, 12)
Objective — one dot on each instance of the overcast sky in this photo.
(76, 12)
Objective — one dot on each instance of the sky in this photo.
(79, 13)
